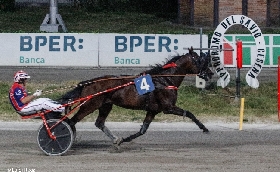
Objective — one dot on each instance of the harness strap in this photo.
(170, 65)
(170, 87)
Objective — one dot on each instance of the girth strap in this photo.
(171, 87)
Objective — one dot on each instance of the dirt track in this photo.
(165, 147)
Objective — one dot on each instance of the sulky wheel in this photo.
(63, 141)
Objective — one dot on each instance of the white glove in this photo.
(37, 93)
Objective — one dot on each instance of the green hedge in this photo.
(160, 7)
(7, 5)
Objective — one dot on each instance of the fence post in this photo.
(238, 67)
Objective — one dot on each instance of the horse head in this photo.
(202, 64)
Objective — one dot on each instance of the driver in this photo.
(26, 104)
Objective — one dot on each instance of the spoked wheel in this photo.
(63, 141)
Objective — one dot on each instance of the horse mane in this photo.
(158, 68)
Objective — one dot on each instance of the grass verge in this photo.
(207, 104)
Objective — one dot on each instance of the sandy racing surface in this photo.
(165, 147)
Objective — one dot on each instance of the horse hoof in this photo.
(116, 149)
(118, 141)
(205, 130)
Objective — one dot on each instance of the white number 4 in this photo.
(144, 85)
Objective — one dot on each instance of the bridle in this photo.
(203, 65)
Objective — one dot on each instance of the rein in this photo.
(119, 78)
(90, 82)
(166, 66)
(132, 77)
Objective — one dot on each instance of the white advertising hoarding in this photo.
(144, 49)
(92, 50)
(43, 49)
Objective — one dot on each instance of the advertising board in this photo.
(144, 49)
(272, 44)
(121, 50)
(42, 49)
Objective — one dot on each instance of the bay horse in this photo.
(166, 79)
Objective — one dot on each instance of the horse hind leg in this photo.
(104, 111)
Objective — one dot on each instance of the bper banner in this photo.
(42, 49)
(93, 50)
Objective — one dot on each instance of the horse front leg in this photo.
(180, 112)
(146, 123)
(104, 111)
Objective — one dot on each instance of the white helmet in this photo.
(20, 75)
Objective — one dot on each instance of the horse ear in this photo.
(191, 50)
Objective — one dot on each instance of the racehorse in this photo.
(166, 79)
